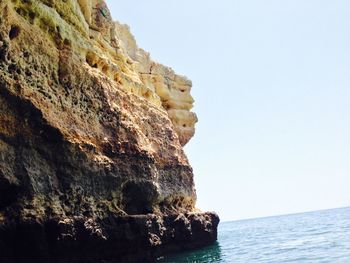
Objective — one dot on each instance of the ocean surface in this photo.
(322, 236)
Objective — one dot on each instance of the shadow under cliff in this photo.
(140, 238)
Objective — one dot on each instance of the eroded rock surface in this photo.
(90, 129)
(140, 238)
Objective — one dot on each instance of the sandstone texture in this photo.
(92, 167)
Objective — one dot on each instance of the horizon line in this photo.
(288, 214)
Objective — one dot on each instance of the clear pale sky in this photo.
(271, 80)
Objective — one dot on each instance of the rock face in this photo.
(91, 133)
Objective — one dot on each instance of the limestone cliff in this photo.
(91, 136)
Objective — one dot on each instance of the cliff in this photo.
(91, 133)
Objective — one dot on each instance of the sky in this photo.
(271, 81)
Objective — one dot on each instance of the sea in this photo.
(321, 236)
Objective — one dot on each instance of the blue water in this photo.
(322, 236)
